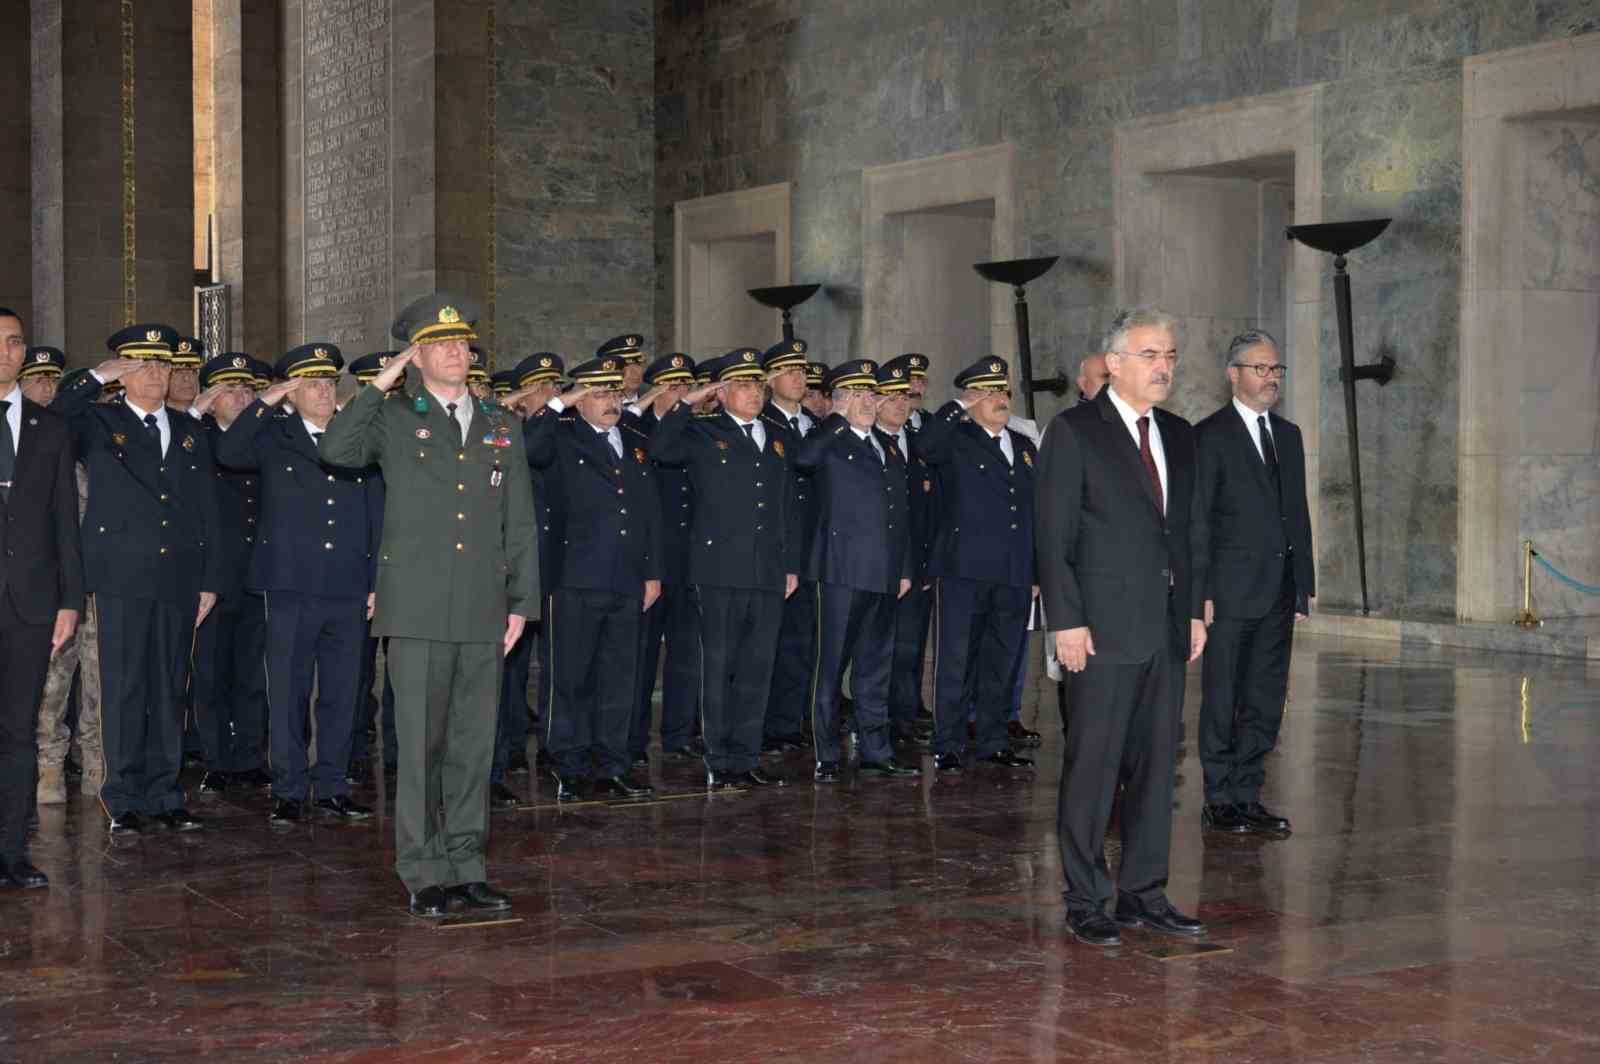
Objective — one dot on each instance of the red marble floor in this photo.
(1438, 901)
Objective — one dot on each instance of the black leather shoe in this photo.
(179, 820)
(641, 760)
(947, 764)
(22, 874)
(285, 811)
(1021, 735)
(341, 808)
(887, 770)
(1007, 759)
(503, 797)
(680, 753)
(782, 745)
(567, 790)
(518, 762)
(925, 714)
(480, 896)
(128, 824)
(1224, 818)
(215, 783)
(1160, 917)
(721, 781)
(622, 787)
(358, 773)
(1094, 928)
(697, 743)
(1260, 817)
(431, 902)
(256, 777)
(758, 777)
(826, 772)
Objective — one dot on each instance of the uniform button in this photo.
(461, 517)
(330, 502)
(163, 523)
(288, 469)
(330, 477)
(249, 500)
(247, 520)
(330, 521)
(461, 487)
(163, 498)
(359, 480)
(624, 531)
(102, 528)
(760, 505)
(708, 542)
(327, 546)
(619, 491)
(462, 457)
(683, 524)
(460, 547)
(758, 483)
(624, 509)
(163, 550)
(1013, 527)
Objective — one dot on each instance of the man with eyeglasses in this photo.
(1260, 581)
(1122, 549)
(861, 563)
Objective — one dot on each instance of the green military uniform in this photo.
(458, 555)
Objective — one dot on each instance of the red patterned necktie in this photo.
(1150, 462)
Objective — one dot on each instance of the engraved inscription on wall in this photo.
(346, 130)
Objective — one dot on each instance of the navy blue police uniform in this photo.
(912, 611)
(858, 558)
(743, 546)
(315, 562)
(602, 494)
(674, 620)
(150, 547)
(982, 568)
(788, 702)
(230, 683)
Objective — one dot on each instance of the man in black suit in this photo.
(1260, 581)
(150, 558)
(41, 586)
(1121, 549)
(860, 560)
(743, 555)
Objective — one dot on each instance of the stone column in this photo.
(16, 281)
(114, 219)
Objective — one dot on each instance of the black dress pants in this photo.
(594, 647)
(738, 639)
(980, 630)
(24, 660)
(911, 614)
(1123, 727)
(1244, 679)
(855, 630)
(788, 702)
(144, 668)
(230, 684)
(313, 637)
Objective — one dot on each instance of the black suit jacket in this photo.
(863, 534)
(41, 569)
(151, 530)
(1250, 534)
(986, 504)
(1108, 558)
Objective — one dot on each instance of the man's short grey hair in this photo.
(1136, 318)
(1246, 340)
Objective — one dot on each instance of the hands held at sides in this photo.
(515, 622)
(790, 582)
(1197, 637)
(208, 599)
(1074, 648)
(66, 625)
(652, 591)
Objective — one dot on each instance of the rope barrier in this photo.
(1576, 585)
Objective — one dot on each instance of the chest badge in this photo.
(777, 448)
(638, 455)
(424, 434)
(1027, 458)
(188, 443)
(119, 438)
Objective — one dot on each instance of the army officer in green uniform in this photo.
(458, 576)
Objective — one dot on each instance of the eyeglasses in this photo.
(1150, 357)
(1275, 370)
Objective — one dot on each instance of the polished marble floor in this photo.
(1438, 901)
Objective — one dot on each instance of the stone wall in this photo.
(16, 270)
(813, 92)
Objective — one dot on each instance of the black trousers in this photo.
(312, 637)
(738, 640)
(855, 630)
(24, 660)
(594, 646)
(512, 721)
(978, 635)
(144, 667)
(674, 619)
(911, 614)
(1123, 727)
(369, 708)
(789, 700)
(1244, 678)
(230, 684)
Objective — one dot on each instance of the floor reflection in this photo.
(1436, 902)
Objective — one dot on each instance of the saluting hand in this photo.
(208, 599)
(280, 391)
(395, 369)
(700, 394)
(114, 369)
(206, 399)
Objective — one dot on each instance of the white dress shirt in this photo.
(1130, 418)
(800, 421)
(613, 436)
(1004, 439)
(163, 426)
(311, 430)
(463, 411)
(1255, 429)
(14, 416)
(757, 430)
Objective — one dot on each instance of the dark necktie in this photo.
(455, 423)
(1150, 462)
(1269, 454)
(316, 439)
(154, 430)
(750, 433)
(8, 453)
(794, 423)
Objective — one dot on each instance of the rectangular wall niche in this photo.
(1530, 423)
(935, 302)
(723, 246)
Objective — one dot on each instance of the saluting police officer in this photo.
(981, 562)
(230, 681)
(674, 619)
(744, 555)
(788, 701)
(457, 580)
(188, 355)
(150, 557)
(627, 352)
(896, 389)
(40, 375)
(861, 563)
(601, 485)
(315, 562)
(816, 401)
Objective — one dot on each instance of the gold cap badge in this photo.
(153, 335)
(545, 363)
(449, 315)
